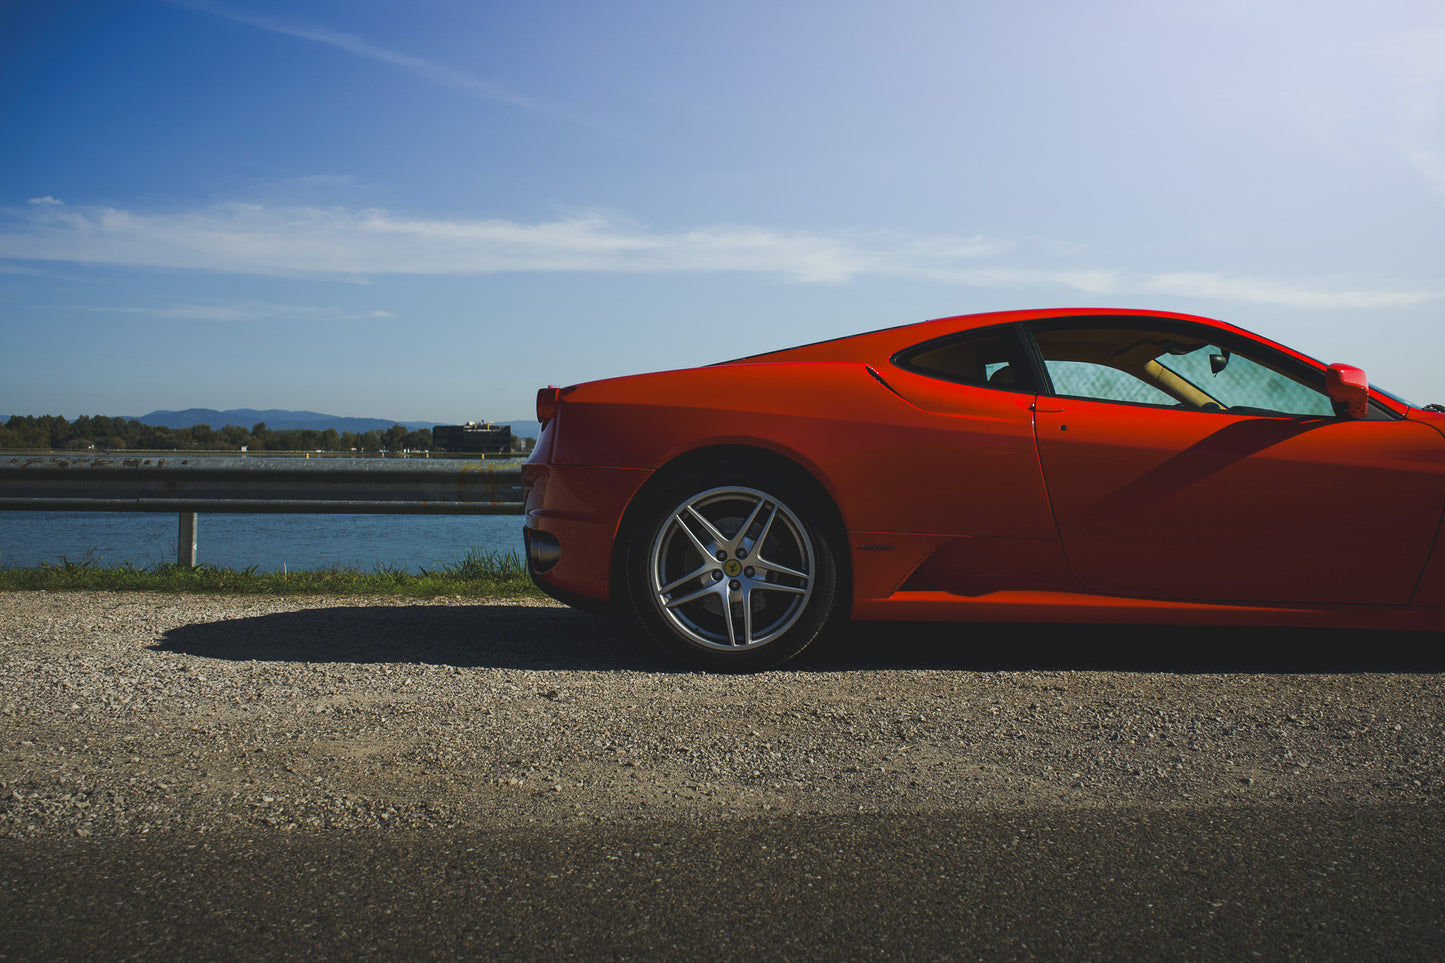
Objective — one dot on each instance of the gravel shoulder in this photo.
(127, 714)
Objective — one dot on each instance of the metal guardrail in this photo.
(347, 486)
(190, 485)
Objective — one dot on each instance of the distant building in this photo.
(473, 436)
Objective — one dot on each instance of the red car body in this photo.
(1060, 466)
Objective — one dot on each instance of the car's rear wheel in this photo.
(731, 568)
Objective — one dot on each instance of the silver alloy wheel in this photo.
(731, 568)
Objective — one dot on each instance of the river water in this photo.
(269, 542)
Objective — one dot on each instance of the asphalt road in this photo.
(1311, 884)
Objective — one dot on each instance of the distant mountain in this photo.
(523, 429)
(278, 419)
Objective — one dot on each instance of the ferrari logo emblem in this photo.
(732, 568)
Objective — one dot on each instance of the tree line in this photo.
(89, 432)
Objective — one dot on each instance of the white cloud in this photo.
(47, 199)
(1084, 280)
(252, 239)
(339, 243)
(23, 269)
(248, 311)
(1323, 293)
(439, 74)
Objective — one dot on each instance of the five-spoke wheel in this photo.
(733, 575)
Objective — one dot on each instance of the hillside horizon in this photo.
(281, 419)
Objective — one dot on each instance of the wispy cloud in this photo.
(1315, 293)
(247, 311)
(449, 77)
(253, 239)
(339, 243)
(24, 269)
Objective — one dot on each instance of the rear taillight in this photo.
(547, 399)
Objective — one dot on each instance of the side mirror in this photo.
(1347, 386)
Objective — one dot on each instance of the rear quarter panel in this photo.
(889, 465)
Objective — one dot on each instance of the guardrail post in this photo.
(186, 541)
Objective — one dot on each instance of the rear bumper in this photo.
(573, 521)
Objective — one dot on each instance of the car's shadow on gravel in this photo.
(497, 636)
(1127, 648)
(541, 637)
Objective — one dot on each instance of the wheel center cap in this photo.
(732, 567)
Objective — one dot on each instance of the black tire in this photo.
(732, 567)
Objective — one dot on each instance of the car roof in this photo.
(871, 346)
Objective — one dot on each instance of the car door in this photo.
(1187, 463)
(973, 493)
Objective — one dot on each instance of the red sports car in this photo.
(1044, 466)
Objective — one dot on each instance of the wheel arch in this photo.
(763, 458)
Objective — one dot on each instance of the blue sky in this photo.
(426, 210)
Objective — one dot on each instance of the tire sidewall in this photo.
(658, 510)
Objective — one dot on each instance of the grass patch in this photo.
(478, 575)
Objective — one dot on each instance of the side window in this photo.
(1245, 386)
(1084, 379)
(990, 358)
(1174, 368)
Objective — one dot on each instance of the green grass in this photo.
(478, 575)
